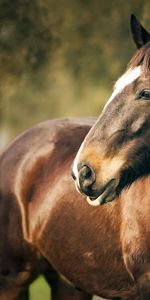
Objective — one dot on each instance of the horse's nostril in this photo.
(86, 177)
(86, 172)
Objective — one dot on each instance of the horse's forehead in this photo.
(127, 78)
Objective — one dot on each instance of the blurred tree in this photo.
(26, 36)
(55, 56)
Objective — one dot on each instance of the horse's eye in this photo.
(144, 94)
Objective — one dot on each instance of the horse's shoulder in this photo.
(39, 149)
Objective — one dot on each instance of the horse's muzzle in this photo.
(104, 195)
(86, 184)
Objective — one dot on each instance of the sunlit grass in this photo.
(39, 289)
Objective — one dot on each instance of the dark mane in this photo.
(141, 57)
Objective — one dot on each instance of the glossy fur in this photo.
(47, 227)
(30, 179)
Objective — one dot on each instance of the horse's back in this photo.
(35, 157)
(36, 143)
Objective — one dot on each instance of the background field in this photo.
(61, 58)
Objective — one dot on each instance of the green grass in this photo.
(39, 289)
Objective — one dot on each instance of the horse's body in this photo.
(43, 217)
(116, 153)
(29, 177)
(45, 226)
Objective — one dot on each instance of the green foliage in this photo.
(26, 38)
(60, 58)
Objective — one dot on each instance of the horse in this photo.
(47, 227)
(115, 156)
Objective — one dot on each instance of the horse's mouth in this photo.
(108, 194)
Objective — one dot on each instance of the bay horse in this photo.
(115, 156)
(47, 227)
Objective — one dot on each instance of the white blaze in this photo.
(130, 76)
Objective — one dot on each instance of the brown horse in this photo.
(116, 154)
(47, 227)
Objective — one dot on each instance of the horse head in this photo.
(116, 151)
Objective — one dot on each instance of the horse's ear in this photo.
(139, 33)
